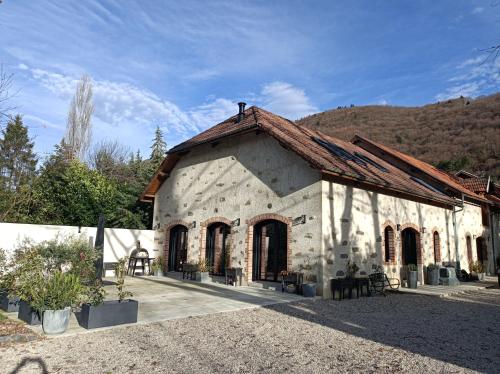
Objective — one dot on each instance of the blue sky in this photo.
(185, 65)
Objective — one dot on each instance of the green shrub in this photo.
(476, 267)
(57, 292)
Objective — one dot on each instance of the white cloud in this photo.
(473, 77)
(477, 10)
(120, 104)
(287, 100)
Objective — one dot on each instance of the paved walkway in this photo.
(166, 298)
(444, 291)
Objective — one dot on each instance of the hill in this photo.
(456, 134)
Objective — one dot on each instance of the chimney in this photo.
(241, 112)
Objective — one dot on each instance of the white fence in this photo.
(117, 242)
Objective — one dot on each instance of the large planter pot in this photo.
(202, 277)
(9, 304)
(56, 321)
(433, 277)
(159, 273)
(480, 276)
(309, 289)
(28, 314)
(109, 313)
(412, 279)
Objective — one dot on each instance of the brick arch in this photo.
(166, 244)
(418, 239)
(392, 242)
(249, 240)
(436, 244)
(203, 232)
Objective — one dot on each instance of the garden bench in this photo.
(379, 282)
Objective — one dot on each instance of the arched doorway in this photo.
(482, 255)
(270, 247)
(216, 251)
(177, 248)
(410, 240)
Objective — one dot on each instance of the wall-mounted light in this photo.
(236, 222)
(423, 230)
(398, 227)
(157, 226)
(192, 225)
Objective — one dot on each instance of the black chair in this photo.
(379, 283)
(189, 271)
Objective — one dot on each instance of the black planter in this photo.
(9, 304)
(28, 314)
(109, 313)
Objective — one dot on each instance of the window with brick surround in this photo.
(437, 247)
(389, 251)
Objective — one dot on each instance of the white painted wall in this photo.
(117, 242)
(352, 224)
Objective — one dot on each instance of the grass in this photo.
(2, 317)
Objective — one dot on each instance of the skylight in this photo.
(371, 162)
(339, 152)
(426, 185)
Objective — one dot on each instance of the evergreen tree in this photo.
(17, 159)
(159, 148)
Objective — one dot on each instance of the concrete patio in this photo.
(168, 298)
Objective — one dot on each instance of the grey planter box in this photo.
(202, 277)
(56, 321)
(412, 279)
(9, 304)
(433, 277)
(109, 313)
(28, 314)
(309, 289)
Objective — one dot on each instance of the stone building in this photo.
(259, 192)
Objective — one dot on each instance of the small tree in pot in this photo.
(412, 275)
(158, 266)
(433, 274)
(8, 300)
(477, 268)
(54, 299)
(202, 275)
(98, 313)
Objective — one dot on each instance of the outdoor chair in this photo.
(189, 271)
(379, 282)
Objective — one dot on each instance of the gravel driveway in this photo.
(399, 333)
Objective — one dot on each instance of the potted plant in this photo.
(8, 301)
(98, 313)
(477, 268)
(54, 299)
(433, 274)
(352, 269)
(158, 266)
(309, 287)
(202, 273)
(412, 276)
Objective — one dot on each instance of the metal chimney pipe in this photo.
(241, 112)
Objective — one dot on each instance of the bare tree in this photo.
(109, 157)
(79, 124)
(5, 92)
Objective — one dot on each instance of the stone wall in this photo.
(353, 229)
(248, 177)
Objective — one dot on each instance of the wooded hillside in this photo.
(456, 134)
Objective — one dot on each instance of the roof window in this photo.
(339, 152)
(426, 185)
(371, 162)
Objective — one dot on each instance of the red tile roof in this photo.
(301, 141)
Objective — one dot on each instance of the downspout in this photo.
(455, 231)
(491, 217)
